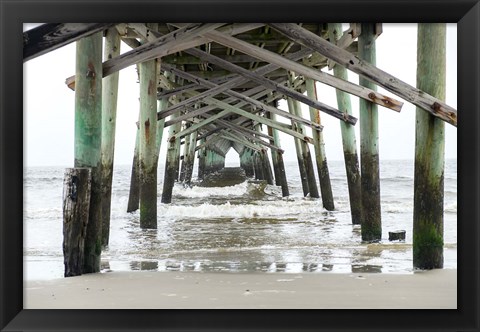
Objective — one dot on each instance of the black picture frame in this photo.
(14, 13)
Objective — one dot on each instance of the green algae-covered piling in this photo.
(349, 143)
(277, 159)
(109, 115)
(134, 194)
(320, 155)
(88, 135)
(369, 158)
(147, 144)
(429, 151)
(76, 205)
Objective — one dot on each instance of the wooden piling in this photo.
(320, 155)
(298, 149)
(277, 159)
(349, 142)
(267, 168)
(134, 194)
(109, 115)
(147, 144)
(172, 160)
(201, 161)
(305, 149)
(88, 134)
(76, 206)
(429, 150)
(190, 162)
(369, 158)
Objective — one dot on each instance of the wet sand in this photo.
(435, 289)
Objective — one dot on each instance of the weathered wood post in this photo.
(369, 159)
(190, 162)
(88, 135)
(277, 158)
(246, 158)
(429, 150)
(147, 143)
(134, 194)
(320, 155)
(298, 149)
(267, 167)
(259, 174)
(349, 142)
(184, 158)
(201, 160)
(305, 151)
(109, 115)
(76, 206)
(172, 160)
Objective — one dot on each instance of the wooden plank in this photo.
(48, 37)
(433, 105)
(309, 72)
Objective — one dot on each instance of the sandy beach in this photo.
(436, 289)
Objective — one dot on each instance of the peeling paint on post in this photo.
(429, 151)
(349, 143)
(370, 168)
(147, 142)
(320, 155)
(88, 134)
(109, 115)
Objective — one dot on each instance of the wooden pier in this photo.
(214, 87)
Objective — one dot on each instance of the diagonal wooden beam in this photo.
(298, 68)
(50, 36)
(433, 105)
(273, 85)
(156, 48)
(251, 101)
(235, 82)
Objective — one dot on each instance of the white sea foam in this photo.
(278, 209)
(199, 192)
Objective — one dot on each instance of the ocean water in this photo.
(230, 224)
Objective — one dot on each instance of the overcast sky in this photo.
(49, 105)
